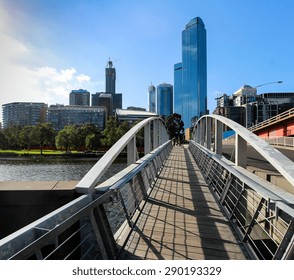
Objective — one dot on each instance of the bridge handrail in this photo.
(283, 164)
(88, 217)
(278, 117)
(279, 140)
(88, 183)
(261, 213)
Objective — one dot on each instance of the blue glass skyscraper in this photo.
(152, 99)
(164, 100)
(190, 76)
(178, 76)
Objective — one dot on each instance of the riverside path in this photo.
(181, 218)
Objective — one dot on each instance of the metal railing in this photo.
(277, 118)
(279, 141)
(261, 213)
(96, 225)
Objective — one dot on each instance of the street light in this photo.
(246, 109)
(278, 82)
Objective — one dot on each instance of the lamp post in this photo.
(246, 109)
(277, 82)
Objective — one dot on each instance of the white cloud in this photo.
(83, 78)
(35, 84)
(22, 80)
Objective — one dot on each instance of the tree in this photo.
(26, 137)
(3, 140)
(92, 136)
(92, 142)
(78, 137)
(123, 128)
(12, 134)
(110, 132)
(44, 134)
(63, 139)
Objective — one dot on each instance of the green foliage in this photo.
(113, 131)
(12, 136)
(78, 137)
(62, 140)
(26, 137)
(44, 134)
(71, 137)
(3, 140)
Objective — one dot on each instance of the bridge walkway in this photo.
(181, 219)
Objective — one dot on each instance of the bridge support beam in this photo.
(132, 151)
(147, 139)
(208, 134)
(155, 134)
(240, 151)
(218, 139)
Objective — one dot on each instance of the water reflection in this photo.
(49, 169)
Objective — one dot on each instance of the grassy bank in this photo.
(34, 152)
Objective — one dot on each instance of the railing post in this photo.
(240, 151)
(155, 134)
(132, 151)
(147, 139)
(160, 133)
(202, 134)
(208, 133)
(218, 139)
(103, 233)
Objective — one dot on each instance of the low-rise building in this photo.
(60, 115)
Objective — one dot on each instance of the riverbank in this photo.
(25, 153)
(53, 154)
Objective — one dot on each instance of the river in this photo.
(49, 169)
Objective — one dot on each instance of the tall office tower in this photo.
(178, 104)
(164, 99)
(191, 75)
(110, 77)
(79, 97)
(152, 98)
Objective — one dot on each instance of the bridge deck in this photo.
(181, 219)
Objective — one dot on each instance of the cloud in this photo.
(83, 78)
(22, 82)
(25, 74)
(56, 84)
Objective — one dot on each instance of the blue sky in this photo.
(49, 47)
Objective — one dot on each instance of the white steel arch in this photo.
(155, 134)
(208, 132)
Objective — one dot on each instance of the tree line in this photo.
(71, 137)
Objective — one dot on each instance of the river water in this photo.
(49, 169)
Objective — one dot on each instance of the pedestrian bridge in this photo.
(183, 202)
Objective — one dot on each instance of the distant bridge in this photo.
(187, 202)
(281, 125)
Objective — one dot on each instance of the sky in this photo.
(50, 47)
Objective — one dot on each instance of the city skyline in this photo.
(43, 59)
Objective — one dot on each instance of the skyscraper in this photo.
(110, 79)
(164, 99)
(190, 76)
(79, 97)
(152, 98)
(110, 76)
